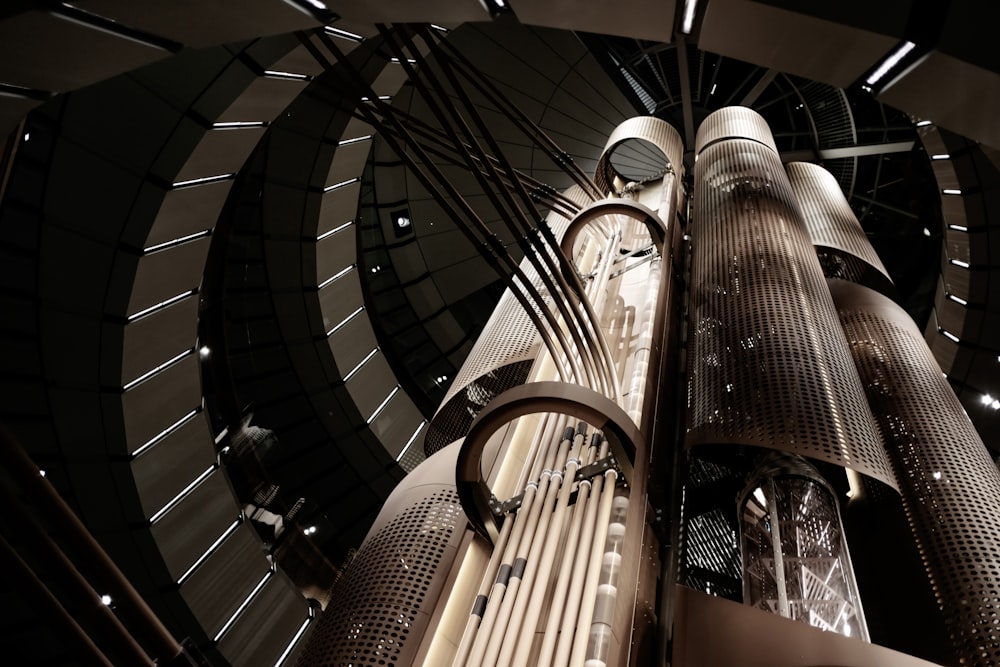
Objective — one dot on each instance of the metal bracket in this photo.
(501, 508)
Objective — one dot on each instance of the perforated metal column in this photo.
(769, 365)
(949, 483)
(381, 609)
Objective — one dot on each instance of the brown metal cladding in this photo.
(949, 484)
(768, 364)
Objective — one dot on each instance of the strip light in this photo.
(687, 23)
(889, 63)
(412, 439)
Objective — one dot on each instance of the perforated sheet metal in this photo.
(508, 339)
(380, 608)
(646, 129)
(734, 123)
(769, 365)
(949, 483)
(829, 219)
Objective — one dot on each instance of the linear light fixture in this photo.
(344, 321)
(343, 34)
(208, 552)
(239, 124)
(687, 22)
(295, 640)
(335, 230)
(291, 76)
(958, 228)
(239, 610)
(941, 156)
(958, 262)
(203, 181)
(958, 299)
(951, 191)
(149, 374)
(165, 432)
(889, 63)
(338, 274)
(172, 503)
(183, 239)
(355, 140)
(162, 304)
(361, 363)
(950, 336)
(382, 405)
(341, 184)
(923, 123)
(412, 439)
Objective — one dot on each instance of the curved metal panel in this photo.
(582, 403)
(647, 129)
(769, 365)
(627, 207)
(382, 606)
(949, 483)
(733, 123)
(831, 223)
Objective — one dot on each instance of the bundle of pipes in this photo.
(548, 533)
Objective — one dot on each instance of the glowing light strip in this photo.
(344, 321)
(950, 336)
(275, 74)
(381, 406)
(923, 123)
(957, 299)
(183, 494)
(355, 140)
(687, 24)
(335, 230)
(203, 181)
(291, 645)
(156, 370)
(343, 34)
(958, 262)
(183, 239)
(165, 432)
(339, 274)
(162, 304)
(239, 610)
(341, 184)
(409, 442)
(239, 124)
(941, 156)
(890, 63)
(951, 191)
(958, 228)
(208, 552)
(360, 364)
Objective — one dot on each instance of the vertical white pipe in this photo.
(567, 628)
(506, 557)
(521, 560)
(537, 579)
(599, 640)
(589, 597)
(567, 564)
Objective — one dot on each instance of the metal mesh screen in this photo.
(378, 611)
(949, 483)
(769, 365)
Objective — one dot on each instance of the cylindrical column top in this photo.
(734, 123)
